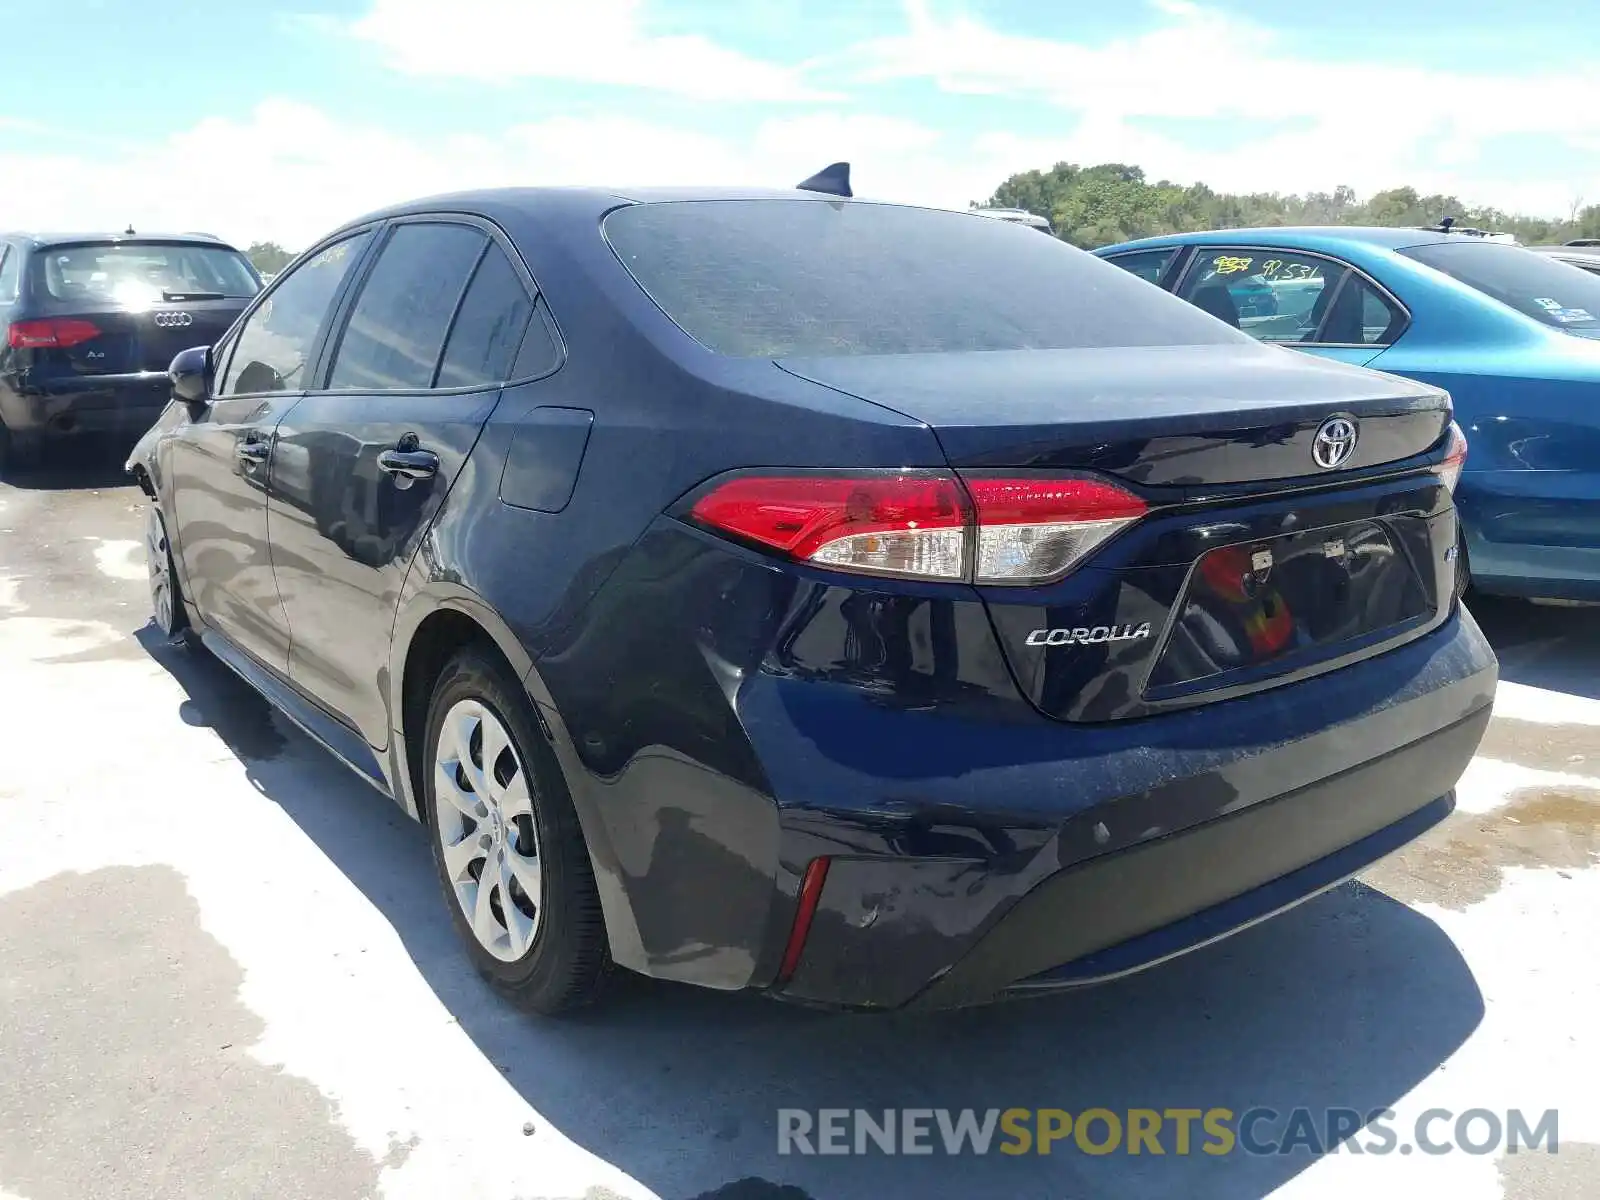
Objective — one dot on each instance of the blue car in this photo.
(1512, 335)
(740, 592)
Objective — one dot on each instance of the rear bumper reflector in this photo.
(810, 893)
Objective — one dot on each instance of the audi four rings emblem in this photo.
(178, 320)
(1335, 442)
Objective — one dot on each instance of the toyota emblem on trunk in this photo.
(1335, 442)
(174, 320)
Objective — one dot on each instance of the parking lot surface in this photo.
(225, 970)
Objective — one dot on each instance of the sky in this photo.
(268, 121)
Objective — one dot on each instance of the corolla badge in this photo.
(1090, 635)
(1334, 442)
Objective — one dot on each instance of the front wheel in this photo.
(166, 597)
(510, 854)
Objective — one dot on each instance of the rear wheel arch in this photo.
(431, 640)
(434, 625)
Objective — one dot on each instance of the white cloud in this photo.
(290, 172)
(592, 41)
(1370, 125)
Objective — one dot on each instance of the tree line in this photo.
(269, 257)
(1114, 202)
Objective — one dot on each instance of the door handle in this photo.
(252, 453)
(409, 464)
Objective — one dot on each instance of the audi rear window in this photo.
(130, 272)
(804, 278)
(1551, 292)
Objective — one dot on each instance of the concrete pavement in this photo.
(225, 970)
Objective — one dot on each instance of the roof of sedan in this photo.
(598, 198)
(45, 239)
(1381, 236)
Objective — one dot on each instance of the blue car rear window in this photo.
(1555, 293)
(778, 278)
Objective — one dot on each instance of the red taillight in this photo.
(1455, 457)
(924, 525)
(904, 523)
(56, 333)
(810, 892)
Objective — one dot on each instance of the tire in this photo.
(551, 955)
(169, 612)
(18, 451)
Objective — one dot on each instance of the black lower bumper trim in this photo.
(1229, 917)
(1153, 888)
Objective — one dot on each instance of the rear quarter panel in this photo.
(609, 620)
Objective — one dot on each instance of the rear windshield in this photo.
(780, 278)
(1553, 292)
(127, 272)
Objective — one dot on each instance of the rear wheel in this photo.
(1463, 568)
(511, 857)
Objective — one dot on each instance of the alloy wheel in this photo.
(163, 602)
(486, 829)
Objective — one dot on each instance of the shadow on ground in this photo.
(75, 464)
(1542, 646)
(1346, 1002)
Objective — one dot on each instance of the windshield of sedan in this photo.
(129, 272)
(804, 278)
(1551, 292)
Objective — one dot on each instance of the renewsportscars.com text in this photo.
(1178, 1131)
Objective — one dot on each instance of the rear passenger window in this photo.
(1380, 322)
(1146, 264)
(1273, 295)
(398, 325)
(488, 327)
(10, 272)
(540, 353)
(1285, 297)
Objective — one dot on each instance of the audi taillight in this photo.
(1455, 457)
(923, 524)
(53, 333)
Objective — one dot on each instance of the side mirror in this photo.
(190, 373)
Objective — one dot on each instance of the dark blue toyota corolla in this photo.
(871, 605)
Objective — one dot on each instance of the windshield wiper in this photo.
(192, 296)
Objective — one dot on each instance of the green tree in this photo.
(269, 257)
(1114, 202)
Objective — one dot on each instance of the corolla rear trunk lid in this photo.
(1169, 416)
(1295, 515)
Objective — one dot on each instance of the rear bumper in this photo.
(1201, 838)
(85, 404)
(1127, 911)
